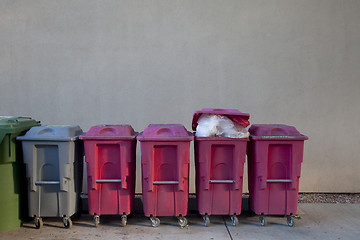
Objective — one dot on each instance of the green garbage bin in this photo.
(12, 172)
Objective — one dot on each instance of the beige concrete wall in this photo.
(283, 61)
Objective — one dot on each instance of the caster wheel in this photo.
(155, 222)
(67, 222)
(38, 222)
(262, 221)
(96, 220)
(206, 220)
(183, 222)
(123, 220)
(234, 220)
(290, 221)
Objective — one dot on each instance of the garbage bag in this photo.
(212, 125)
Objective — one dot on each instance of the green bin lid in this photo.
(12, 124)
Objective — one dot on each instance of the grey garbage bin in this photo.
(53, 159)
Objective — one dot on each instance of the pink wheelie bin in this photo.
(165, 150)
(110, 155)
(219, 163)
(275, 154)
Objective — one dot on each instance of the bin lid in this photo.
(109, 132)
(165, 132)
(235, 115)
(275, 132)
(13, 124)
(52, 133)
(17, 123)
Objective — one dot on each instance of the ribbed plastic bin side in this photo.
(165, 150)
(13, 199)
(219, 163)
(53, 155)
(110, 154)
(275, 154)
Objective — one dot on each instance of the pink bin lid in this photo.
(109, 132)
(275, 132)
(235, 115)
(165, 132)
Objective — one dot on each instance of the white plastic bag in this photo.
(207, 125)
(211, 125)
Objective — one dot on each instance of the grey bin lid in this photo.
(52, 133)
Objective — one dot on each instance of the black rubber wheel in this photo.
(234, 220)
(67, 222)
(290, 221)
(262, 221)
(206, 220)
(123, 220)
(183, 222)
(38, 223)
(96, 220)
(155, 222)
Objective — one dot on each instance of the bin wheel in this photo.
(234, 220)
(290, 221)
(123, 220)
(183, 222)
(206, 220)
(67, 222)
(155, 222)
(262, 221)
(38, 222)
(96, 220)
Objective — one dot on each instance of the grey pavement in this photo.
(318, 221)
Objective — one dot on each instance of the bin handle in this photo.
(165, 182)
(47, 182)
(221, 181)
(279, 180)
(123, 167)
(108, 180)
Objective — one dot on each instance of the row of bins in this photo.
(53, 158)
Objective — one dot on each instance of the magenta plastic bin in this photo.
(110, 154)
(165, 150)
(275, 154)
(219, 165)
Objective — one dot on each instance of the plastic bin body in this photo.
(165, 150)
(275, 154)
(13, 194)
(219, 166)
(110, 154)
(53, 158)
(219, 163)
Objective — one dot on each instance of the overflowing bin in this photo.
(12, 193)
(219, 163)
(54, 160)
(165, 150)
(110, 155)
(275, 154)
